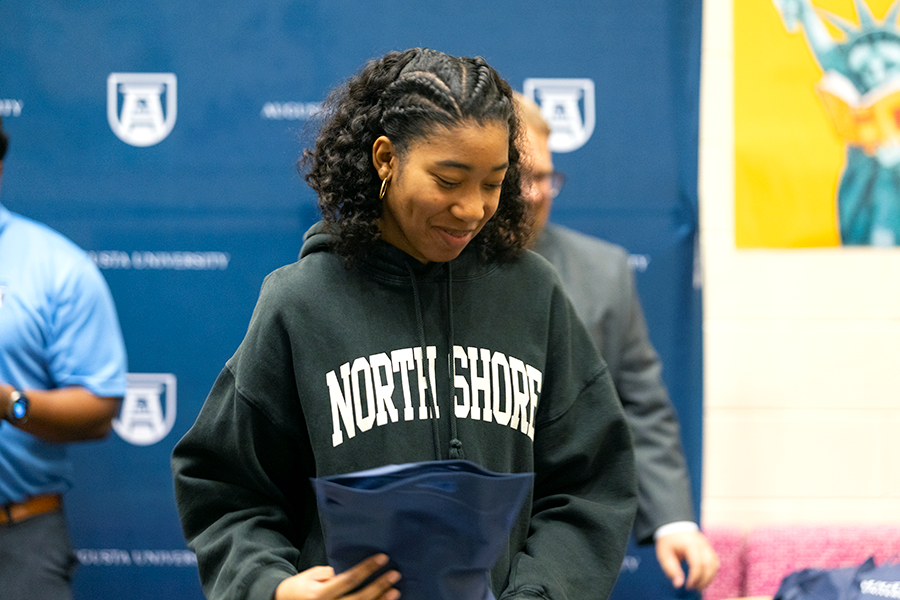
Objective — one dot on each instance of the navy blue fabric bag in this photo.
(442, 523)
(865, 582)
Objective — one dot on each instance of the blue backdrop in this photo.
(182, 186)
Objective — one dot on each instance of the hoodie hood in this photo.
(391, 265)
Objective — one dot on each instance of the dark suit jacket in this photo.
(598, 279)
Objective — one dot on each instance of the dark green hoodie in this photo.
(331, 379)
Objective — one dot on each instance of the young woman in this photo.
(413, 327)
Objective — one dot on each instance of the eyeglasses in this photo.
(554, 178)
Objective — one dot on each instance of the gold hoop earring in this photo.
(383, 189)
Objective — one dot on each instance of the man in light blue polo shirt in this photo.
(62, 376)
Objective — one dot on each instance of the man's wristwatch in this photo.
(17, 411)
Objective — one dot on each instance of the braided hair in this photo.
(407, 96)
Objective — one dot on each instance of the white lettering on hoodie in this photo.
(489, 386)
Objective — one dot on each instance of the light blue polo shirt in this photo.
(58, 328)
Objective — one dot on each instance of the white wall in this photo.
(802, 353)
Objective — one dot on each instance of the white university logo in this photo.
(148, 409)
(134, 106)
(568, 107)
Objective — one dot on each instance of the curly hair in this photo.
(406, 96)
(4, 141)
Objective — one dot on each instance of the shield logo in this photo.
(135, 107)
(143, 420)
(568, 107)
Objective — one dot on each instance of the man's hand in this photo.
(320, 583)
(695, 549)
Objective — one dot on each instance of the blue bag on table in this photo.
(864, 582)
(442, 523)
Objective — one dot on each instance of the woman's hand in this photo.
(320, 583)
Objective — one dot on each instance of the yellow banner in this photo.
(817, 124)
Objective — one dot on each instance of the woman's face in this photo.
(443, 190)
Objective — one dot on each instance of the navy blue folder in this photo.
(442, 523)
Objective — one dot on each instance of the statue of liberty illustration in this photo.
(860, 90)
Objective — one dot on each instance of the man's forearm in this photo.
(65, 414)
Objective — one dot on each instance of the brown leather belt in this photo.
(34, 506)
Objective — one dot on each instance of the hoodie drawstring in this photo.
(456, 449)
(432, 408)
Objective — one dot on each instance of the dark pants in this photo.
(36, 559)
